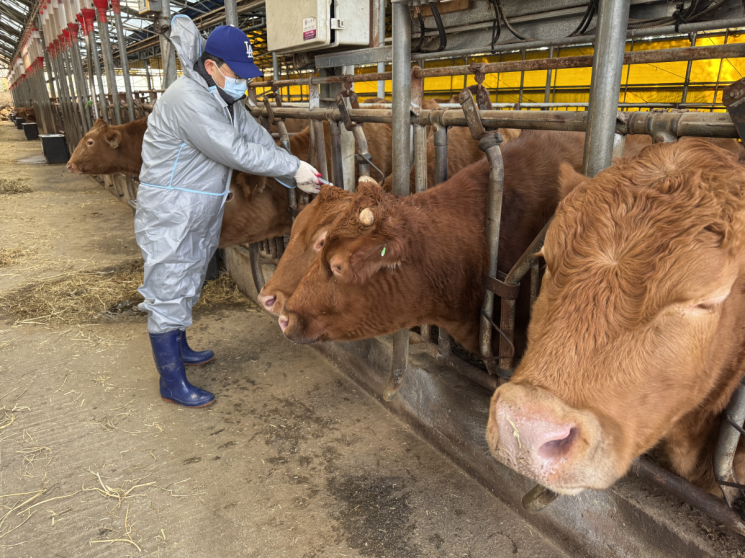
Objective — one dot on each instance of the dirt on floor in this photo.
(292, 460)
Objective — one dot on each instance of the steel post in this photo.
(82, 86)
(93, 56)
(167, 52)
(687, 81)
(402, 140)
(68, 112)
(381, 42)
(108, 62)
(231, 13)
(72, 94)
(729, 437)
(607, 69)
(444, 341)
(123, 57)
(420, 184)
(77, 99)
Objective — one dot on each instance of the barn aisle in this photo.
(292, 460)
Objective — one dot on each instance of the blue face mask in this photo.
(234, 87)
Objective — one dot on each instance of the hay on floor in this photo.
(11, 256)
(88, 296)
(14, 186)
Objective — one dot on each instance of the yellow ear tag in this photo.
(383, 252)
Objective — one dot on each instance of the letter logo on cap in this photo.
(249, 50)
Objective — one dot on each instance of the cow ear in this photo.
(99, 123)
(374, 254)
(113, 137)
(569, 179)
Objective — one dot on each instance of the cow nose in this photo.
(267, 301)
(69, 167)
(540, 436)
(284, 321)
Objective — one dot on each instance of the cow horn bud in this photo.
(366, 217)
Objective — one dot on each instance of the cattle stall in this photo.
(91, 64)
(606, 125)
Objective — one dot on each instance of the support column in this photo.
(94, 65)
(401, 68)
(231, 13)
(381, 42)
(607, 67)
(116, 7)
(108, 57)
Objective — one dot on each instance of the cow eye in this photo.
(89, 142)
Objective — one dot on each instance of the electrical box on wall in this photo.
(149, 6)
(305, 25)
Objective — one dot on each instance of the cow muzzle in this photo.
(539, 436)
(296, 330)
(272, 302)
(74, 168)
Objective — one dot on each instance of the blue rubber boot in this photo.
(174, 386)
(193, 358)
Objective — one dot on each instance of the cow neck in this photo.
(300, 144)
(133, 134)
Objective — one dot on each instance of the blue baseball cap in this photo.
(232, 45)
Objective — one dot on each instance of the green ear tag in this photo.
(383, 252)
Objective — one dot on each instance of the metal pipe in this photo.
(716, 125)
(607, 69)
(231, 13)
(320, 144)
(401, 77)
(522, 79)
(732, 50)
(93, 54)
(363, 152)
(688, 73)
(82, 85)
(489, 144)
(420, 185)
(75, 86)
(67, 78)
(729, 437)
(108, 63)
(381, 42)
(123, 57)
(337, 173)
(547, 93)
(167, 52)
(585, 39)
(719, 73)
(147, 75)
(462, 368)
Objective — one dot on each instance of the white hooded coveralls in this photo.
(190, 146)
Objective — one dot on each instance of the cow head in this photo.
(343, 295)
(255, 210)
(306, 242)
(636, 323)
(96, 151)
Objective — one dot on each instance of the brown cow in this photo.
(463, 150)
(110, 149)
(311, 226)
(393, 262)
(28, 113)
(636, 338)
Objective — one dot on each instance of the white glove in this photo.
(307, 178)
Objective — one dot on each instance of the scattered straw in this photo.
(87, 296)
(118, 494)
(222, 290)
(14, 186)
(11, 256)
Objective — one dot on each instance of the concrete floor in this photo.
(292, 460)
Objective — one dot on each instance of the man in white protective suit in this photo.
(198, 132)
